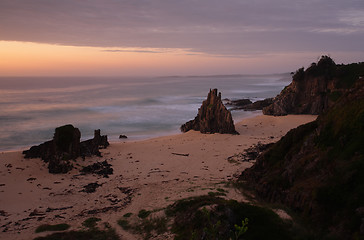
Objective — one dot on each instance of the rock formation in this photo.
(66, 146)
(317, 168)
(59, 151)
(212, 117)
(246, 104)
(91, 147)
(314, 90)
(100, 168)
(238, 103)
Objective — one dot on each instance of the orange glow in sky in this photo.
(24, 58)
(37, 59)
(159, 38)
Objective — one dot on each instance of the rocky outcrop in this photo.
(316, 169)
(66, 146)
(212, 117)
(249, 154)
(238, 103)
(270, 181)
(248, 105)
(122, 136)
(259, 105)
(59, 151)
(43, 151)
(316, 89)
(91, 147)
(100, 168)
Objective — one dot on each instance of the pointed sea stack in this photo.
(212, 117)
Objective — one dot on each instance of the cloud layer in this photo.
(230, 27)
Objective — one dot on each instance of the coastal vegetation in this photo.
(213, 217)
(316, 169)
(316, 89)
(145, 225)
(343, 75)
(50, 228)
(90, 232)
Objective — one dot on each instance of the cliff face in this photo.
(212, 117)
(317, 168)
(314, 90)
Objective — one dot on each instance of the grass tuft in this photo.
(124, 224)
(57, 227)
(146, 226)
(108, 234)
(127, 215)
(91, 222)
(92, 233)
(144, 213)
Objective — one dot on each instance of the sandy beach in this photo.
(149, 174)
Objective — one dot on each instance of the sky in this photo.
(175, 37)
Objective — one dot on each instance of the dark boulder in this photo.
(66, 146)
(91, 147)
(59, 151)
(212, 117)
(43, 151)
(100, 168)
(259, 105)
(239, 103)
(91, 187)
(67, 141)
(246, 104)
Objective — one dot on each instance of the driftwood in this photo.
(182, 154)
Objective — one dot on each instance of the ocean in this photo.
(139, 107)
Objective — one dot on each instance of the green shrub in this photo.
(108, 234)
(144, 213)
(192, 220)
(91, 222)
(240, 230)
(127, 215)
(124, 224)
(57, 227)
(145, 226)
(92, 233)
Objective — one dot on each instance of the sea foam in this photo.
(31, 108)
